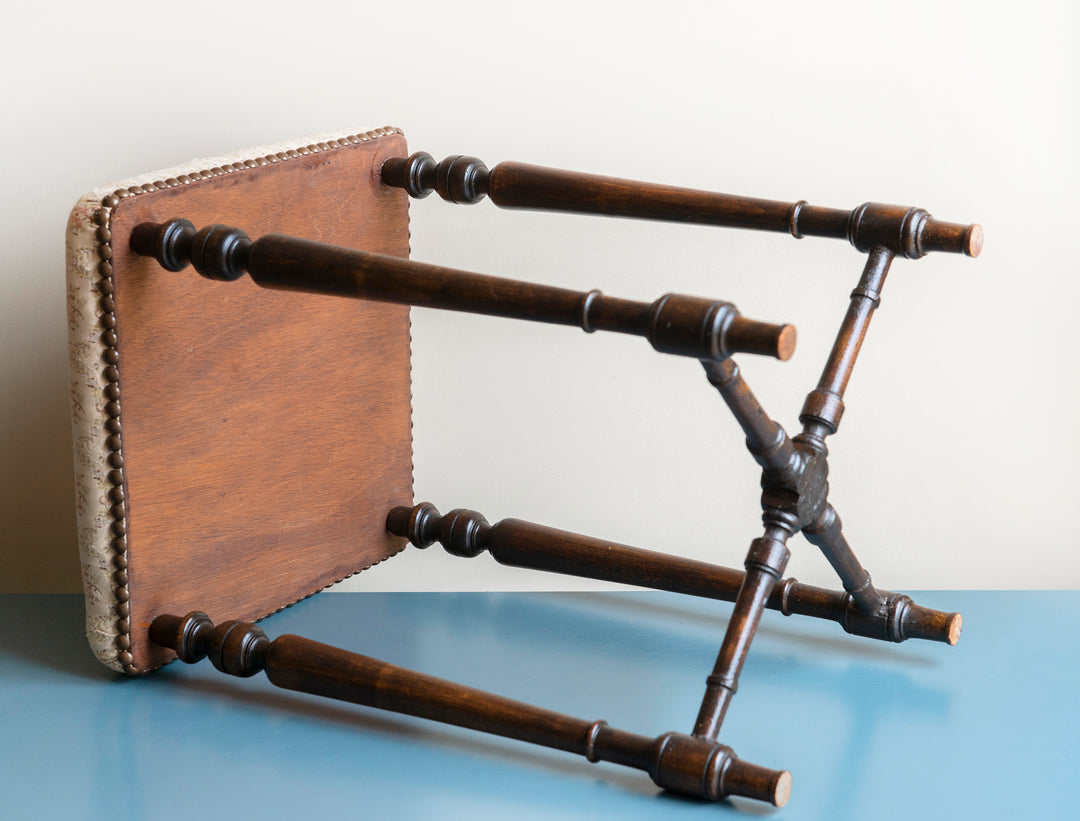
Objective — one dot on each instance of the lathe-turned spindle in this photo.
(683, 325)
(910, 232)
(517, 543)
(681, 763)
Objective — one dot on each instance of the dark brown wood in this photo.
(675, 324)
(458, 179)
(248, 486)
(911, 232)
(692, 766)
(517, 543)
(765, 563)
(826, 533)
(794, 472)
(825, 405)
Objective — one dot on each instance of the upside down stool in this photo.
(227, 465)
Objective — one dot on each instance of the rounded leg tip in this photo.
(785, 343)
(781, 791)
(954, 626)
(973, 241)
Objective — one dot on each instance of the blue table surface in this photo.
(987, 729)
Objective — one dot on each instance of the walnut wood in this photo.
(697, 767)
(825, 404)
(795, 474)
(765, 439)
(517, 543)
(675, 324)
(826, 534)
(765, 563)
(248, 487)
(911, 232)
(794, 471)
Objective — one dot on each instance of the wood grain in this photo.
(265, 434)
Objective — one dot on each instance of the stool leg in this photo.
(692, 766)
(827, 534)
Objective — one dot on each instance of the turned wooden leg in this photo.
(825, 404)
(693, 766)
(516, 543)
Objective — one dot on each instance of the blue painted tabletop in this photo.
(987, 729)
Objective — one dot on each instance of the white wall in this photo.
(954, 466)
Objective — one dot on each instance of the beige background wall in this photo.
(955, 464)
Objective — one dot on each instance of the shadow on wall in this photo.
(38, 546)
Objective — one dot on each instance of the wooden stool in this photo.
(226, 467)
